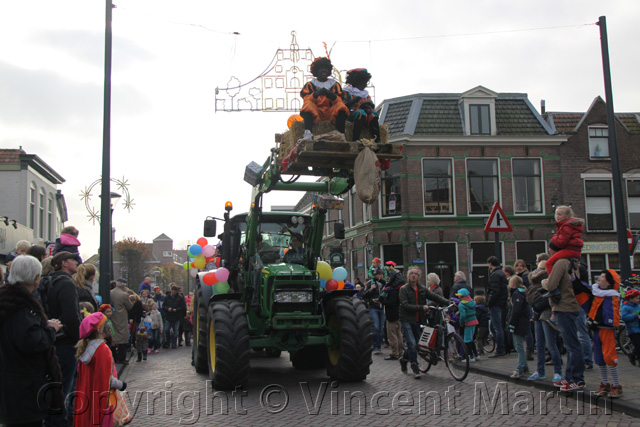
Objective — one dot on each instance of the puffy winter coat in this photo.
(569, 234)
(520, 313)
(629, 314)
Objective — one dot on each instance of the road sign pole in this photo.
(498, 251)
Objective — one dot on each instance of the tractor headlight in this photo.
(293, 296)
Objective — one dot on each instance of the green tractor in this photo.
(276, 302)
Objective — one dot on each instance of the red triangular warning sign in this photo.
(497, 221)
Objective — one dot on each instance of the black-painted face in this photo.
(323, 72)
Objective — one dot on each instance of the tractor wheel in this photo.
(228, 337)
(200, 338)
(348, 319)
(313, 357)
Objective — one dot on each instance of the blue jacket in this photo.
(629, 314)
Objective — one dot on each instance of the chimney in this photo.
(542, 106)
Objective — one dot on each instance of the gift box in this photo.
(252, 173)
(328, 202)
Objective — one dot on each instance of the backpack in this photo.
(45, 286)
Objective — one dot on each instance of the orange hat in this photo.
(612, 277)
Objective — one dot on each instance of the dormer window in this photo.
(598, 142)
(479, 115)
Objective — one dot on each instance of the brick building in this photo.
(463, 152)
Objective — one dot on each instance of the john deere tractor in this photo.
(275, 302)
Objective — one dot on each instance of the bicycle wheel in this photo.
(456, 357)
(424, 361)
(623, 341)
(489, 344)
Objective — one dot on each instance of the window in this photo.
(442, 260)
(527, 251)
(481, 252)
(366, 212)
(527, 185)
(483, 185)
(32, 206)
(437, 186)
(598, 143)
(599, 205)
(41, 213)
(393, 253)
(50, 218)
(633, 201)
(391, 200)
(352, 206)
(480, 120)
(167, 254)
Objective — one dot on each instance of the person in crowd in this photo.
(605, 317)
(390, 299)
(482, 314)
(566, 311)
(142, 336)
(546, 334)
(145, 299)
(371, 298)
(109, 331)
(433, 284)
(134, 315)
(158, 297)
(68, 241)
(97, 375)
(361, 108)
(376, 263)
(84, 278)
(509, 272)
(121, 306)
(27, 350)
(174, 307)
(188, 326)
(460, 282)
(519, 323)
(62, 302)
(630, 314)
(183, 313)
(21, 249)
(413, 306)
(567, 241)
(157, 324)
(39, 252)
(146, 284)
(521, 270)
(497, 295)
(468, 319)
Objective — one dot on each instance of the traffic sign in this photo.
(497, 221)
(49, 249)
(630, 240)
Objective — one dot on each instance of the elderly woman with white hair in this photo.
(433, 284)
(28, 359)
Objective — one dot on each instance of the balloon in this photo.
(223, 287)
(194, 250)
(217, 261)
(192, 265)
(294, 118)
(323, 283)
(202, 242)
(200, 262)
(210, 279)
(208, 251)
(324, 270)
(341, 284)
(332, 285)
(186, 265)
(339, 274)
(222, 274)
(193, 272)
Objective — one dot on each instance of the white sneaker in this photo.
(307, 134)
(472, 360)
(477, 358)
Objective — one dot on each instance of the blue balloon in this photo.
(323, 283)
(195, 250)
(339, 274)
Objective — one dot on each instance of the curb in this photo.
(586, 396)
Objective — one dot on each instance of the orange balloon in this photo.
(294, 118)
(341, 284)
(202, 242)
(210, 279)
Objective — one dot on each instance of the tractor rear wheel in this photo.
(200, 338)
(228, 349)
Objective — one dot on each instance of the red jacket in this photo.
(569, 234)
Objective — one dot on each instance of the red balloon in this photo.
(217, 261)
(331, 285)
(202, 242)
(210, 279)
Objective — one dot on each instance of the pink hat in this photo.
(91, 323)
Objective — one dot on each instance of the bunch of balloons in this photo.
(331, 280)
(200, 254)
(217, 279)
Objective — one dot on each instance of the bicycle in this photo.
(443, 337)
(489, 344)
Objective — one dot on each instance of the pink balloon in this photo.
(208, 251)
(222, 274)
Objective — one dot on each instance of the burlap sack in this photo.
(366, 172)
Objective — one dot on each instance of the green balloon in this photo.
(223, 287)
(214, 289)
(186, 265)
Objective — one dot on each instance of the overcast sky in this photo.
(183, 160)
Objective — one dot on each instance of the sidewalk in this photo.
(502, 367)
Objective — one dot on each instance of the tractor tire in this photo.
(200, 337)
(308, 358)
(349, 320)
(228, 345)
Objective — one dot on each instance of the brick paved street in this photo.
(166, 391)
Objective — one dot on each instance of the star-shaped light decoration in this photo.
(94, 213)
